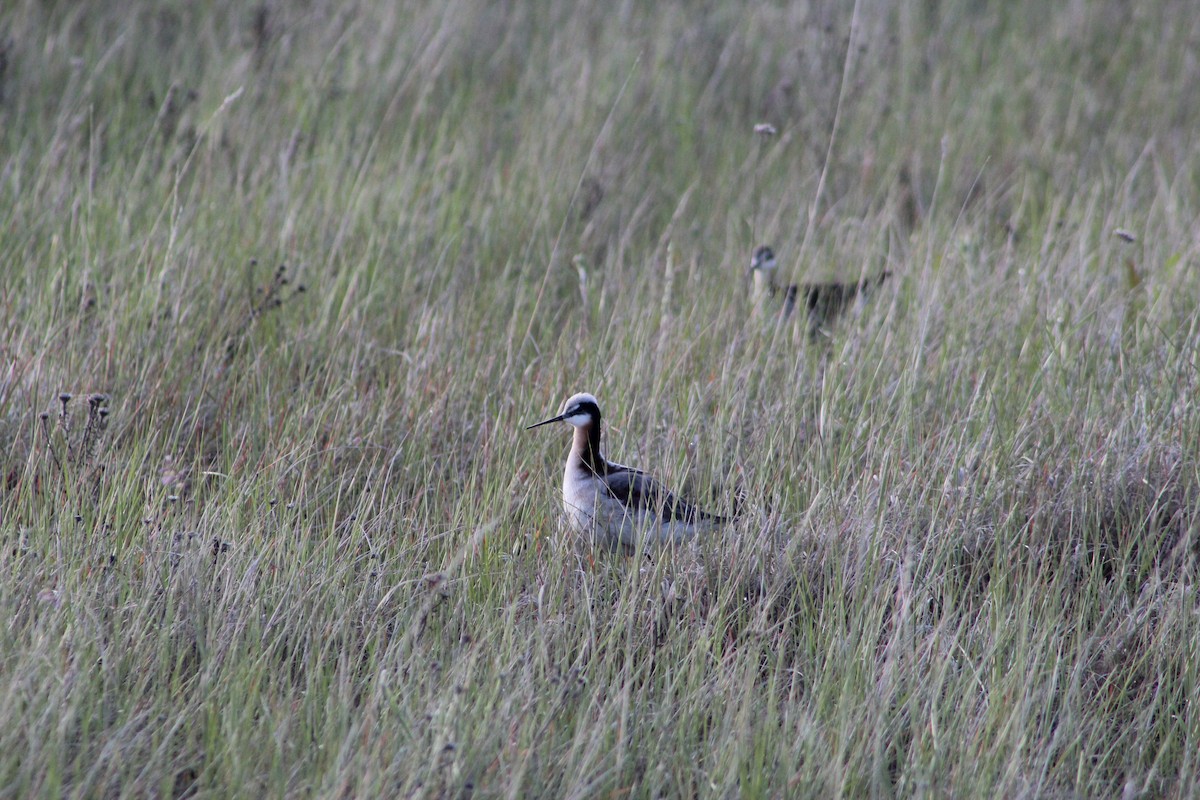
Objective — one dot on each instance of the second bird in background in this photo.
(823, 302)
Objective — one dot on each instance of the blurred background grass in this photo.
(325, 260)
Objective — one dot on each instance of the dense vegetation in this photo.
(307, 269)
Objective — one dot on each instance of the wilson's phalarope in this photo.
(612, 503)
(823, 301)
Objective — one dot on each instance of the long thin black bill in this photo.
(559, 418)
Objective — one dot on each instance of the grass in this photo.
(320, 264)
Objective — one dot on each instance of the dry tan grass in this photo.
(312, 552)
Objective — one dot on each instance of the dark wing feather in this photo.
(826, 300)
(636, 490)
(789, 299)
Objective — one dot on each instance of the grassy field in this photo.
(307, 270)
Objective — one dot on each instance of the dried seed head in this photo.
(1124, 235)
(65, 397)
(45, 415)
(765, 129)
(103, 412)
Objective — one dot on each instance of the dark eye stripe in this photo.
(589, 408)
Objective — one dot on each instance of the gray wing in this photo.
(636, 490)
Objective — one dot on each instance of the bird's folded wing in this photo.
(637, 491)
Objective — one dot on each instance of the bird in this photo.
(824, 302)
(614, 504)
